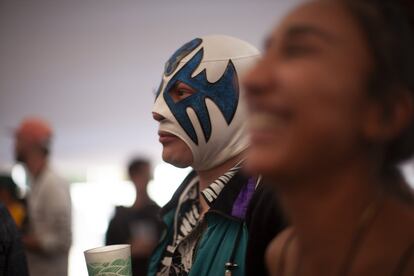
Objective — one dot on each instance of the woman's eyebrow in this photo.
(301, 30)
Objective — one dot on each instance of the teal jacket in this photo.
(224, 240)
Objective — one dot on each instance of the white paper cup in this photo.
(109, 260)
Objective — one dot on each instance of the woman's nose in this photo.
(255, 80)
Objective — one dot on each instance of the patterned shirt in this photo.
(188, 227)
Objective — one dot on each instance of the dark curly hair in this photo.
(389, 29)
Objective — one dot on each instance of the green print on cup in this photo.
(119, 267)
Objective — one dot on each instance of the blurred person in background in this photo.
(49, 235)
(332, 116)
(9, 197)
(201, 114)
(12, 257)
(138, 225)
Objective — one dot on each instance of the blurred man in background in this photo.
(48, 236)
(137, 225)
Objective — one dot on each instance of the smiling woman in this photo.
(332, 116)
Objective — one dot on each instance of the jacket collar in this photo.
(232, 201)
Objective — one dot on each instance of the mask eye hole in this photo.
(181, 91)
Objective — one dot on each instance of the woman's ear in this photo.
(387, 117)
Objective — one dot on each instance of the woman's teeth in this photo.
(265, 121)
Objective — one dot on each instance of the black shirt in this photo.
(264, 220)
(130, 222)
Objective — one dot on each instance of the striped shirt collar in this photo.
(187, 218)
(211, 193)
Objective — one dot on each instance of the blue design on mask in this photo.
(183, 51)
(224, 93)
(175, 59)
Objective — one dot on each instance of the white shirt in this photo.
(50, 216)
